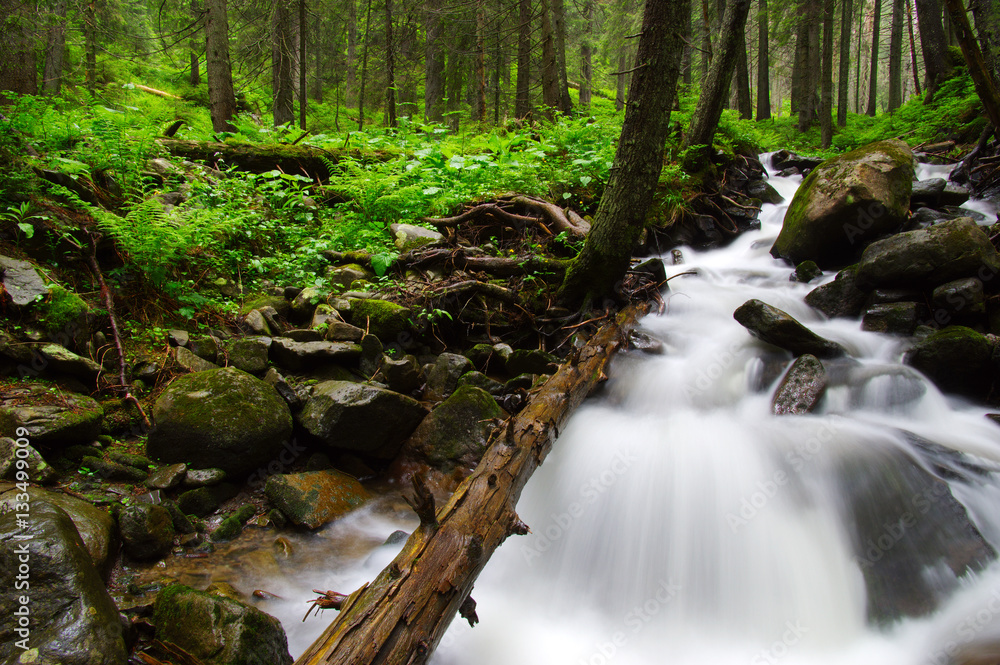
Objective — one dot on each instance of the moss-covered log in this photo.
(401, 616)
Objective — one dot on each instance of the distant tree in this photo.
(873, 69)
(433, 62)
(896, 57)
(763, 63)
(221, 97)
(55, 49)
(826, 85)
(522, 95)
(559, 35)
(390, 67)
(586, 55)
(18, 71)
(283, 38)
(937, 59)
(844, 78)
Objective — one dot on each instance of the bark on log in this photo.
(401, 616)
(263, 158)
(495, 266)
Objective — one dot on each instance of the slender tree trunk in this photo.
(351, 75)
(763, 64)
(981, 75)
(873, 70)
(937, 59)
(844, 80)
(913, 47)
(586, 50)
(559, 33)
(826, 94)
(303, 89)
(499, 65)
(986, 14)
(550, 61)
(620, 81)
(742, 80)
(896, 57)
(193, 43)
(55, 50)
(621, 214)
(811, 66)
(218, 71)
(364, 68)
(455, 72)
(714, 91)
(283, 91)
(686, 59)
(390, 68)
(90, 45)
(433, 63)
(857, 71)
(706, 40)
(479, 106)
(522, 97)
(800, 62)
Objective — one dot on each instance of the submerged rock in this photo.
(956, 359)
(801, 388)
(839, 298)
(774, 326)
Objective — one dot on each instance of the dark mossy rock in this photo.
(801, 388)
(774, 326)
(167, 477)
(961, 301)
(485, 358)
(764, 192)
(401, 375)
(927, 192)
(315, 498)
(109, 470)
(189, 361)
(531, 361)
(786, 159)
(182, 523)
(894, 318)
(927, 258)
(956, 359)
(38, 470)
(232, 526)
(63, 315)
(137, 461)
(21, 282)
(121, 418)
(806, 272)
(257, 324)
(204, 501)
(218, 630)
(845, 203)
(481, 381)
(73, 619)
(205, 347)
(443, 376)
(63, 361)
(294, 356)
(53, 418)
(457, 431)
(147, 531)
(223, 418)
(359, 417)
(839, 298)
(386, 320)
(280, 305)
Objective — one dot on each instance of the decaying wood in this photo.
(546, 213)
(401, 615)
(555, 215)
(154, 91)
(296, 159)
(496, 266)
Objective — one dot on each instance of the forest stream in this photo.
(677, 520)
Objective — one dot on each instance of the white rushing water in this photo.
(678, 521)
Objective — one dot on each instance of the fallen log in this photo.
(401, 615)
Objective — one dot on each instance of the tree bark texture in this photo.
(55, 50)
(479, 104)
(390, 68)
(400, 617)
(194, 76)
(826, 86)
(282, 89)
(559, 32)
(742, 80)
(218, 71)
(90, 45)
(986, 14)
(873, 68)
(638, 160)
(586, 55)
(811, 65)
(303, 90)
(978, 69)
(763, 64)
(934, 45)
(550, 61)
(896, 57)
(844, 77)
(433, 63)
(351, 75)
(913, 48)
(522, 96)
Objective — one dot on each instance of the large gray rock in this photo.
(443, 376)
(774, 326)
(222, 418)
(218, 630)
(51, 417)
(929, 257)
(64, 361)
(21, 281)
(314, 498)
(73, 620)
(956, 359)
(893, 318)
(801, 388)
(250, 354)
(457, 431)
(845, 203)
(299, 355)
(34, 466)
(147, 531)
(360, 417)
(189, 361)
(410, 236)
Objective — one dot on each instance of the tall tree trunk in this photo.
(706, 40)
(986, 14)
(455, 72)
(522, 97)
(559, 33)
(811, 66)
(742, 80)
(18, 69)
(934, 44)
(193, 43)
(303, 90)
(479, 106)
(714, 91)
(620, 80)
(896, 57)
(857, 70)
(686, 59)
(351, 75)
(90, 44)
(913, 48)
(621, 214)
(390, 68)
(844, 79)
(826, 94)
(800, 61)
(55, 50)
(282, 89)
(763, 64)
(218, 70)
(433, 63)
(586, 50)
(550, 61)
(873, 69)
(364, 67)
(979, 71)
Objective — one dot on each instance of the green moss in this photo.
(282, 306)
(230, 528)
(386, 320)
(62, 309)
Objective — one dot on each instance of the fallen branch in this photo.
(401, 616)
(496, 266)
(555, 215)
(472, 286)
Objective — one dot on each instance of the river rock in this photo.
(839, 298)
(903, 523)
(222, 418)
(845, 203)
(401, 375)
(295, 356)
(956, 359)
(218, 630)
(36, 468)
(305, 303)
(386, 320)
(73, 619)
(457, 431)
(64, 361)
(250, 354)
(111, 471)
(531, 361)
(483, 382)
(360, 417)
(929, 257)
(203, 501)
(409, 236)
(314, 498)
(786, 159)
(257, 324)
(189, 361)
(147, 531)
(21, 281)
(801, 388)
(443, 376)
(960, 299)
(167, 477)
(927, 192)
(893, 318)
(762, 190)
(52, 417)
(774, 326)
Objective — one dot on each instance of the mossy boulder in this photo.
(221, 418)
(893, 318)
(845, 203)
(443, 375)
(774, 326)
(280, 305)
(801, 388)
(32, 463)
(839, 298)
(956, 359)
(314, 498)
(51, 417)
(386, 320)
(218, 630)
(147, 531)
(929, 257)
(457, 431)
(21, 282)
(360, 417)
(63, 312)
